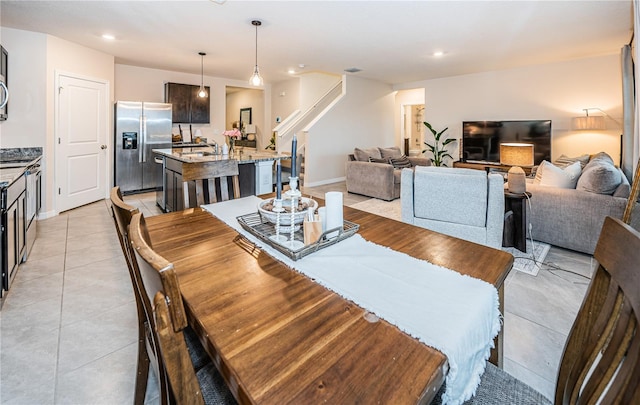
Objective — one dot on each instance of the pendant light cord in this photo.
(256, 23)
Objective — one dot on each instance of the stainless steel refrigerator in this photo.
(139, 128)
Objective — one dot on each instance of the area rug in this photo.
(529, 262)
(389, 209)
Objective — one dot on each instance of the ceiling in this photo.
(390, 41)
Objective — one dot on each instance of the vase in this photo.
(232, 142)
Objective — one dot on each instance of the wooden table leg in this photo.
(496, 357)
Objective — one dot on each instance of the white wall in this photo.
(285, 99)
(26, 126)
(363, 118)
(34, 59)
(144, 84)
(313, 86)
(557, 91)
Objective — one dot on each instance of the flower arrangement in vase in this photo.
(230, 136)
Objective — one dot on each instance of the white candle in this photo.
(333, 202)
(294, 148)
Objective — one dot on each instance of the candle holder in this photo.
(293, 191)
(292, 243)
(278, 209)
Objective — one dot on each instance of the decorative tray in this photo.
(264, 230)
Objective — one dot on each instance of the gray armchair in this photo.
(465, 203)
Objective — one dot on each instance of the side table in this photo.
(515, 220)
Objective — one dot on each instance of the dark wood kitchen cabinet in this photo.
(13, 229)
(187, 107)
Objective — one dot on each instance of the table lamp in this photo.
(516, 155)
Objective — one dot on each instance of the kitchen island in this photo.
(256, 172)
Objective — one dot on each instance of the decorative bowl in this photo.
(265, 208)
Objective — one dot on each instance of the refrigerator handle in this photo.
(144, 138)
(140, 139)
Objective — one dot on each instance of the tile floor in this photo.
(68, 325)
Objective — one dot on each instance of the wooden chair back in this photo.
(204, 174)
(122, 213)
(160, 283)
(156, 273)
(601, 360)
(178, 365)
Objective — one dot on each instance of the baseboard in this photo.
(46, 215)
(323, 182)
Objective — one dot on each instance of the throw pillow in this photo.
(603, 155)
(624, 189)
(362, 155)
(553, 176)
(600, 176)
(564, 160)
(401, 162)
(374, 160)
(392, 152)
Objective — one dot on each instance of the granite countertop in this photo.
(206, 154)
(14, 161)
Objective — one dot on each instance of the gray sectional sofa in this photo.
(572, 218)
(371, 172)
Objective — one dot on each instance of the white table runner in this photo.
(455, 314)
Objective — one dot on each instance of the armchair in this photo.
(465, 203)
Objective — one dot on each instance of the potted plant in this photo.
(439, 147)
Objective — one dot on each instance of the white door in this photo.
(81, 141)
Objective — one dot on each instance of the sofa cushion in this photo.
(600, 176)
(602, 155)
(362, 155)
(401, 162)
(390, 152)
(564, 161)
(467, 197)
(624, 189)
(375, 160)
(551, 175)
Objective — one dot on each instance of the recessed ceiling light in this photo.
(353, 70)
(108, 37)
(302, 66)
(291, 71)
(438, 54)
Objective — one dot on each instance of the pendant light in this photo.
(202, 93)
(256, 79)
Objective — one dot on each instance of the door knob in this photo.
(103, 146)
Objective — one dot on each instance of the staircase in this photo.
(299, 123)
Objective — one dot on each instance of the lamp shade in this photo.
(516, 154)
(589, 122)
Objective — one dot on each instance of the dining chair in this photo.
(147, 345)
(206, 175)
(122, 213)
(189, 384)
(601, 359)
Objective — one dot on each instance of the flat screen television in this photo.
(481, 139)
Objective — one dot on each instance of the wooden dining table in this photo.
(278, 337)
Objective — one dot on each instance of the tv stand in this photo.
(488, 167)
